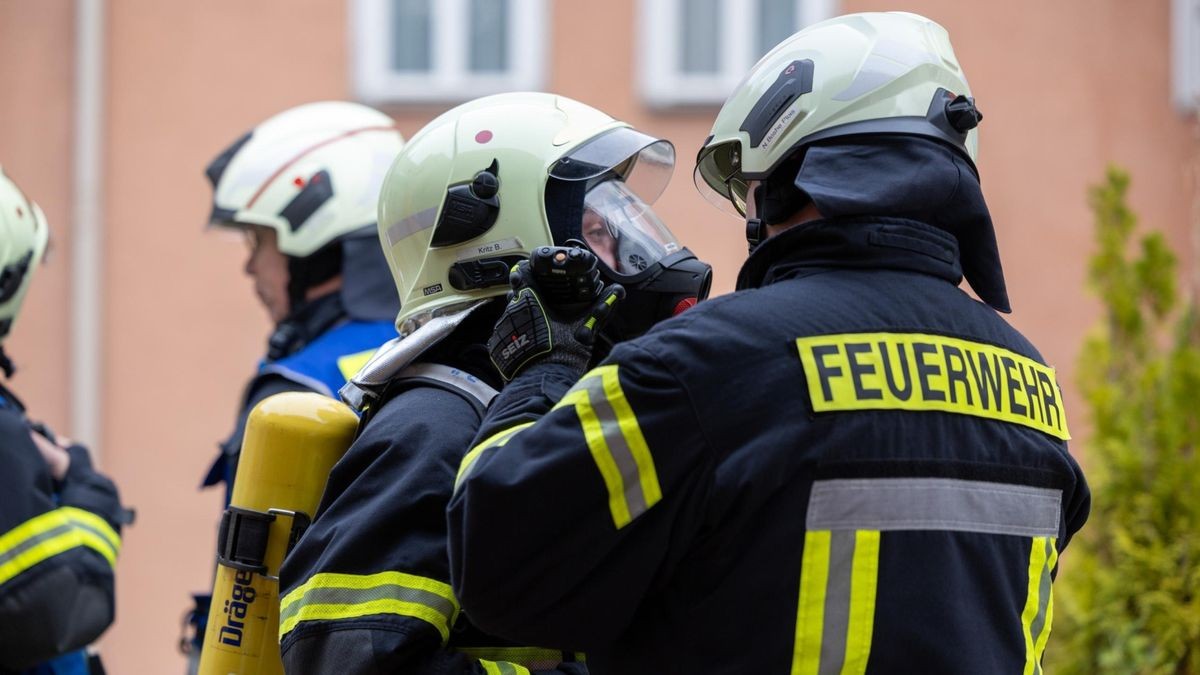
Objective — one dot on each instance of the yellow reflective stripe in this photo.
(1033, 602)
(616, 443)
(333, 596)
(1039, 644)
(647, 474)
(835, 617)
(350, 364)
(494, 441)
(1039, 603)
(96, 523)
(503, 668)
(601, 455)
(810, 619)
(863, 580)
(51, 533)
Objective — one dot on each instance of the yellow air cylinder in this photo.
(292, 442)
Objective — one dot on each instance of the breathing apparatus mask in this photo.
(599, 196)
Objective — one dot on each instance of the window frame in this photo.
(1185, 55)
(449, 78)
(662, 82)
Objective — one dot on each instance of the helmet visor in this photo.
(642, 162)
(623, 231)
(719, 179)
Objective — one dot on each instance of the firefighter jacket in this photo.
(849, 466)
(367, 588)
(58, 545)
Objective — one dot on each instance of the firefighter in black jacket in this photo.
(60, 520)
(367, 588)
(849, 465)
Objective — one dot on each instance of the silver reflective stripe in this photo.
(934, 504)
(30, 542)
(101, 535)
(355, 596)
(617, 446)
(459, 379)
(411, 225)
(837, 602)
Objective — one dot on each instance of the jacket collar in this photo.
(853, 243)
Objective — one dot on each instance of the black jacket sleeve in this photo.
(57, 551)
(562, 521)
(377, 549)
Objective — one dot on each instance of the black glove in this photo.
(557, 307)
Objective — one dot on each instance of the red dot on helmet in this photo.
(483, 136)
(684, 305)
(298, 182)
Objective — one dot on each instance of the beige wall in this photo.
(35, 144)
(1066, 87)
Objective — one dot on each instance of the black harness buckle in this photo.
(244, 534)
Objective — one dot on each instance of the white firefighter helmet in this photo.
(311, 173)
(23, 238)
(484, 184)
(853, 75)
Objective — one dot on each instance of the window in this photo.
(414, 51)
(1185, 54)
(694, 52)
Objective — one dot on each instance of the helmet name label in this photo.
(919, 372)
(780, 126)
(492, 247)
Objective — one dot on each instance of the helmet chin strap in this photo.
(756, 227)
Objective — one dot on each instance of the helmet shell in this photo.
(312, 173)
(519, 136)
(853, 75)
(23, 237)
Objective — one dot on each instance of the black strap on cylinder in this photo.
(242, 539)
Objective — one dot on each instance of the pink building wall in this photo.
(1066, 88)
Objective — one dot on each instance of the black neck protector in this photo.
(305, 323)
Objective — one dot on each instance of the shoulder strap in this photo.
(459, 382)
(457, 379)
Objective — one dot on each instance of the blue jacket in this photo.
(322, 366)
(851, 466)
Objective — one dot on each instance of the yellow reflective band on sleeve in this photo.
(503, 668)
(919, 372)
(836, 614)
(494, 441)
(333, 597)
(350, 364)
(616, 443)
(96, 524)
(1039, 602)
(52, 533)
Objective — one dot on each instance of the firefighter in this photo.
(60, 519)
(303, 186)
(848, 465)
(367, 588)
